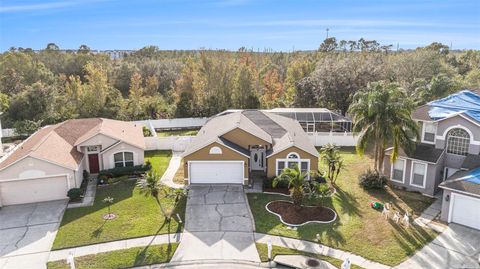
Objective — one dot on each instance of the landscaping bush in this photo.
(86, 175)
(267, 184)
(74, 194)
(323, 189)
(146, 131)
(372, 179)
(116, 179)
(124, 171)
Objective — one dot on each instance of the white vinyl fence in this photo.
(8, 133)
(174, 143)
(340, 139)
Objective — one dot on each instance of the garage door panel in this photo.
(33, 190)
(465, 211)
(216, 172)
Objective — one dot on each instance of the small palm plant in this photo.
(150, 186)
(109, 201)
(296, 180)
(331, 157)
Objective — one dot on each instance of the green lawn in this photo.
(137, 216)
(276, 250)
(358, 228)
(124, 258)
(177, 133)
(159, 160)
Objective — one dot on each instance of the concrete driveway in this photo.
(27, 233)
(218, 225)
(456, 247)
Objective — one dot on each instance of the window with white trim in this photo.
(398, 170)
(429, 131)
(304, 167)
(123, 159)
(458, 142)
(418, 174)
(280, 167)
(215, 150)
(292, 156)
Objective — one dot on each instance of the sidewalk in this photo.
(89, 195)
(432, 212)
(318, 249)
(172, 168)
(62, 254)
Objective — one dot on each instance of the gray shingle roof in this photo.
(279, 131)
(456, 182)
(471, 162)
(423, 152)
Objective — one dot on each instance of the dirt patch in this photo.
(296, 215)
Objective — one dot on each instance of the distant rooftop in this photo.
(464, 102)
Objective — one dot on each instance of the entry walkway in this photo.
(172, 168)
(218, 226)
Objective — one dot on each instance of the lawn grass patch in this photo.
(124, 258)
(276, 250)
(159, 159)
(358, 228)
(137, 216)
(177, 133)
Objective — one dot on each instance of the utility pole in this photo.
(327, 32)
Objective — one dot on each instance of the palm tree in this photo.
(296, 180)
(331, 157)
(151, 186)
(381, 114)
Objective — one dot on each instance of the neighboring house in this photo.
(230, 147)
(51, 161)
(446, 157)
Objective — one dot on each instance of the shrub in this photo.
(74, 193)
(125, 171)
(86, 175)
(323, 189)
(116, 179)
(146, 131)
(267, 183)
(372, 179)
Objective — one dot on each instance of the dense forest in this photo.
(52, 85)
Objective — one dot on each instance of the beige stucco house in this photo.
(229, 148)
(51, 161)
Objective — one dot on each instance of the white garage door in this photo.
(33, 190)
(216, 172)
(465, 210)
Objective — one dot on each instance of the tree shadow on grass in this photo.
(142, 258)
(97, 232)
(348, 203)
(411, 238)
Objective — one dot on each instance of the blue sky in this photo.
(231, 24)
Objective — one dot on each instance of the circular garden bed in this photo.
(293, 215)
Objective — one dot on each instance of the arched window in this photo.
(293, 156)
(458, 141)
(123, 159)
(215, 150)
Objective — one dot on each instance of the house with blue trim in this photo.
(447, 157)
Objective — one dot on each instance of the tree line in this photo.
(51, 85)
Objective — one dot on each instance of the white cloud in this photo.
(44, 6)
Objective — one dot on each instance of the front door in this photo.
(93, 163)
(257, 158)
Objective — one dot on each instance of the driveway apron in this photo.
(457, 247)
(27, 233)
(217, 226)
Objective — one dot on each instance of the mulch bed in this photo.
(294, 215)
(277, 190)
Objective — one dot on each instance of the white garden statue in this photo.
(406, 219)
(386, 211)
(396, 217)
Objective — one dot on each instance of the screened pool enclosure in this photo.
(319, 120)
